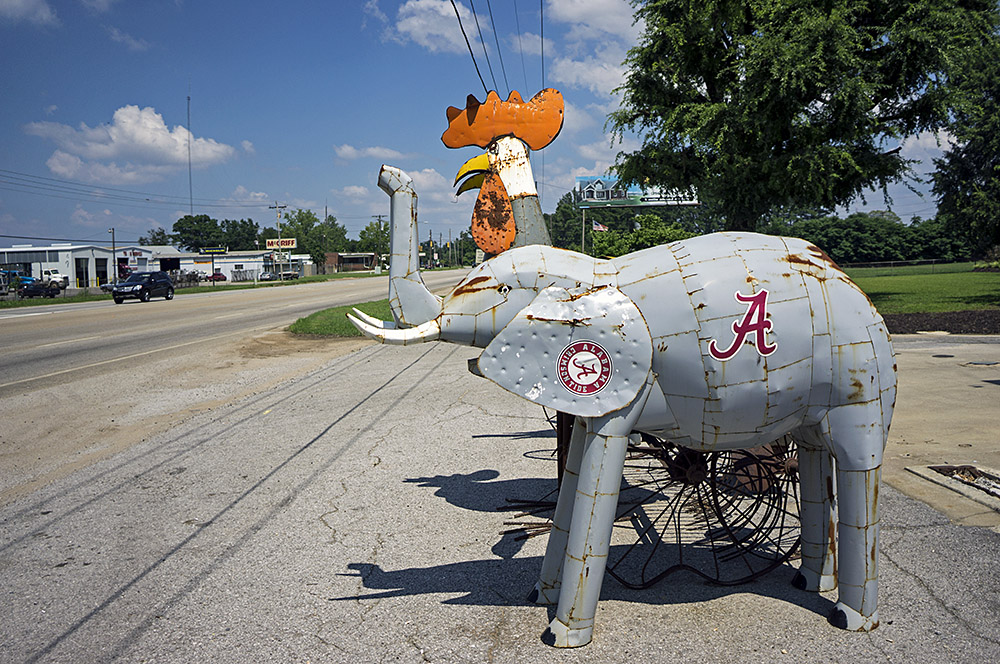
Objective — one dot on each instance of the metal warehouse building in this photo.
(91, 265)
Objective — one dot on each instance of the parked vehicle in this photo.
(56, 277)
(289, 275)
(21, 276)
(267, 276)
(38, 289)
(218, 276)
(143, 285)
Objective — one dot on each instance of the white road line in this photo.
(72, 341)
(131, 357)
(34, 313)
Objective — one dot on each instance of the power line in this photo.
(541, 36)
(55, 239)
(483, 42)
(520, 48)
(65, 189)
(496, 38)
(469, 46)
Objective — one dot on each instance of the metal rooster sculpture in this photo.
(507, 212)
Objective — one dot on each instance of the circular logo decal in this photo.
(584, 368)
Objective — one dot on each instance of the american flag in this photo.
(600, 227)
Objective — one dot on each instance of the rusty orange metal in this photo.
(536, 122)
(493, 226)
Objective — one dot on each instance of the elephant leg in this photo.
(594, 509)
(858, 441)
(547, 589)
(817, 494)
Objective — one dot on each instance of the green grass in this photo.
(899, 270)
(333, 322)
(915, 291)
(932, 293)
(12, 302)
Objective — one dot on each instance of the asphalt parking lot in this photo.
(350, 515)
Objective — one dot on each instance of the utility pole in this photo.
(278, 208)
(114, 255)
(378, 256)
(190, 184)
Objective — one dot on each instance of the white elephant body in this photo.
(831, 346)
(723, 341)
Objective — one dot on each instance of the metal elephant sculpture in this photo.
(724, 341)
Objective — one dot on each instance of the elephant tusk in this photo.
(428, 331)
(374, 322)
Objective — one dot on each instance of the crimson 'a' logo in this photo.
(584, 368)
(755, 321)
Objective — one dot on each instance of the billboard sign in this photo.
(598, 191)
(282, 243)
(212, 250)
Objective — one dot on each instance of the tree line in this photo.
(860, 237)
(313, 236)
(790, 104)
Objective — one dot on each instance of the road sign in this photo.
(283, 243)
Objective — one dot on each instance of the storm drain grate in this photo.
(972, 476)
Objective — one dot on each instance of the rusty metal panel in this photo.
(536, 122)
(584, 351)
(493, 225)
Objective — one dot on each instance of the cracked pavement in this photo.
(349, 515)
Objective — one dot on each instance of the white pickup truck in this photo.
(48, 276)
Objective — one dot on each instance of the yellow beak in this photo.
(474, 172)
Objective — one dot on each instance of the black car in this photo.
(143, 285)
(38, 289)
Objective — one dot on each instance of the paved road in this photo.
(48, 345)
(350, 515)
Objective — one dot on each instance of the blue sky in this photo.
(296, 102)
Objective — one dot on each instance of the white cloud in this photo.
(50, 110)
(372, 9)
(136, 147)
(576, 119)
(602, 154)
(248, 147)
(595, 19)
(354, 192)
(600, 73)
(350, 152)
(243, 195)
(130, 42)
(33, 11)
(530, 43)
(432, 25)
(72, 167)
(99, 5)
(927, 146)
(84, 217)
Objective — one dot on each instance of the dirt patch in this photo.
(283, 344)
(982, 321)
(101, 415)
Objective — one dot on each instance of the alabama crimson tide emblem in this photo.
(584, 368)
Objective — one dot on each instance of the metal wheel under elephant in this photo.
(728, 517)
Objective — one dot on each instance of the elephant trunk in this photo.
(410, 300)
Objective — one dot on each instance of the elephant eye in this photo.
(503, 289)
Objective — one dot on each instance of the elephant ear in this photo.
(585, 352)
